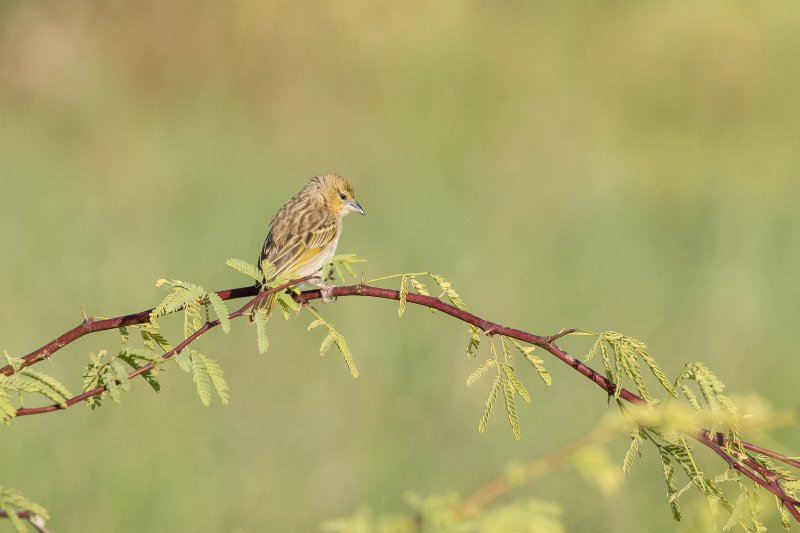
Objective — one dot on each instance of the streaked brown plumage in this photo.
(304, 232)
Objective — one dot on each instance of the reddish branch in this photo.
(35, 520)
(748, 466)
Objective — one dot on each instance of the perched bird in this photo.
(303, 234)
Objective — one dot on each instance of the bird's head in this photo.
(339, 194)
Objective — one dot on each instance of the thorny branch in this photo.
(748, 466)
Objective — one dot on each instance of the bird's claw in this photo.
(325, 291)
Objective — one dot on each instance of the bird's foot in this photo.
(327, 293)
(325, 290)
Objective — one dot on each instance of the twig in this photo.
(767, 479)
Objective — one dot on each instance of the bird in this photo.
(304, 232)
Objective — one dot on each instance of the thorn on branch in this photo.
(86, 318)
(563, 333)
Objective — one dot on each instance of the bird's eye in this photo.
(343, 196)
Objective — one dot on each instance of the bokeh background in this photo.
(602, 165)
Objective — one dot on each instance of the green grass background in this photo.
(602, 165)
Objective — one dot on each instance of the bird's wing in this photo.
(291, 253)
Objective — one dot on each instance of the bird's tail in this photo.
(267, 304)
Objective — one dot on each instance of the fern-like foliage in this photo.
(12, 502)
(195, 302)
(220, 309)
(137, 358)
(30, 382)
(286, 302)
(672, 484)
(260, 318)
(457, 301)
(206, 374)
(334, 337)
(665, 425)
(507, 380)
(621, 355)
(182, 293)
(447, 291)
(152, 338)
(341, 264)
(248, 269)
(108, 371)
(789, 482)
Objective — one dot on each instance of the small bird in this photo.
(304, 232)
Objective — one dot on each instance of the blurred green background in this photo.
(602, 165)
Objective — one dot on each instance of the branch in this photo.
(34, 519)
(140, 318)
(91, 325)
(747, 466)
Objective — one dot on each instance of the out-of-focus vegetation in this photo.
(602, 165)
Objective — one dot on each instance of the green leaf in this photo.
(508, 396)
(506, 350)
(672, 485)
(535, 360)
(783, 514)
(487, 410)
(515, 382)
(260, 316)
(221, 310)
(654, 368)
(419, 286)
(344, 261)
(217, 378)
(286, 303)
(451, 294)
(151, 337)
(243, 267)
(134, 357)
(690, 397)
(480, 371)
(7, 408)
(403, 295)
(200, 376)
(47, 386)
(108, 372)
(181, 295)
(14, 362)
(633, 452)
(207, 374)
(268, 273)
(29, 381)
(341, 343)
(326, 344)
(192, 318)
(710, 385)
(117, 379)
(184, 360)
(12, 502)
(474, 342)
(91, 378)
(124, 335)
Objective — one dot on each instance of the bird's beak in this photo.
(354, 206)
